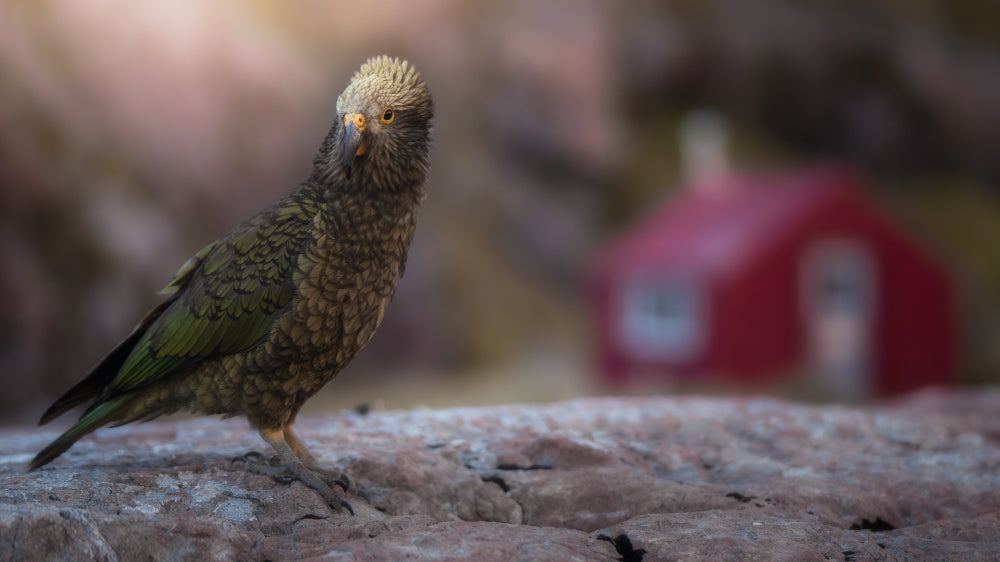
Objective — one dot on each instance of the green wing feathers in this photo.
(238, 288)
(223, 300)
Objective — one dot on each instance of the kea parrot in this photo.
(258, 321)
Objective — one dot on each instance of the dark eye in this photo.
(387, 115)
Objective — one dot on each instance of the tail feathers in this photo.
(97, 380)
(93, 419)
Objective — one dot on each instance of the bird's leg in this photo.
(293, 467)
(303, 454)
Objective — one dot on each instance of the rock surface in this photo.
(596, 479)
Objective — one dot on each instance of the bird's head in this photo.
(383, 124)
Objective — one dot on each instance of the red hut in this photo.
(753, 277)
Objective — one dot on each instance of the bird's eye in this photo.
(387, 115)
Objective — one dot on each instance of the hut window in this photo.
(661, 319)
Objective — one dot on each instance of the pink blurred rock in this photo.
(597, 479)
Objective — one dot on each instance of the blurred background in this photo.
(132, 133)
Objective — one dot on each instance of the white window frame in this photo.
(650, 332)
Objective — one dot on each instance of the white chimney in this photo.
(704, 135)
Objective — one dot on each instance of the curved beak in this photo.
(354, 140)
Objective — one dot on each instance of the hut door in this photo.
(839, 304)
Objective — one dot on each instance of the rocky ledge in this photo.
(596, 479)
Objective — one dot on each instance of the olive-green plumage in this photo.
(258, 321)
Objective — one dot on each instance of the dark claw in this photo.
(347, 506)
(246, 457)
(343, 481)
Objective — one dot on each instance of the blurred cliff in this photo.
(133, 133)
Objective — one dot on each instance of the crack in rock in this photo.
(623, 545)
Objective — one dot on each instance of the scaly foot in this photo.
(276, 467)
